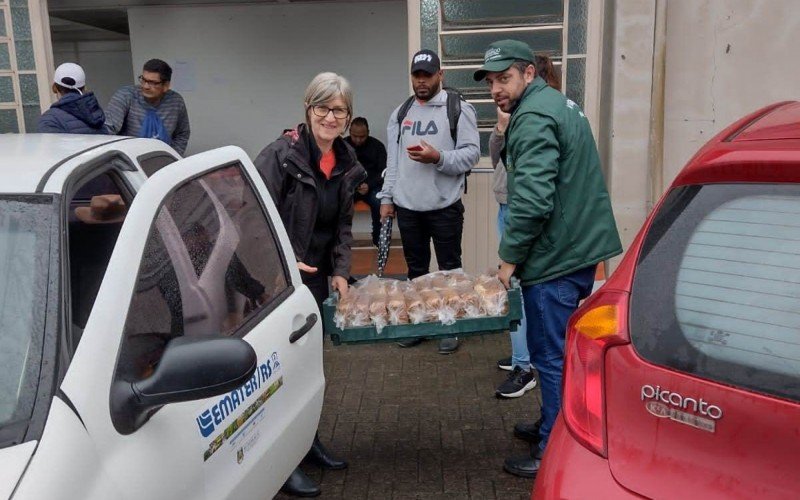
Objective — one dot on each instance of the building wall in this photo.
(107, 64)
(243, 69)
(626, 106)
(724, 59)
(678, 72)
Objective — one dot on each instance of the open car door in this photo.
(202, 254)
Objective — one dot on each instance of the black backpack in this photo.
(454, 99)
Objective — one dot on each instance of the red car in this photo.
(682, 373)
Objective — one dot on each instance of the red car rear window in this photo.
(717, 286)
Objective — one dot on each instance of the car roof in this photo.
(28, 158)
(763, 146)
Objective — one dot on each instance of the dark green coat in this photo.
(559, 212)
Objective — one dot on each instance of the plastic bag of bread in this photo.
(344, 309)
(422, 282)
(378, 313)
(433, 303)
(414, 306)
(470, 301)
(493, 295)
(371, 285)
(439, 281)
(452, 306)
(396, 305)
(359, 314)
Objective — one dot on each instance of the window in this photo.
(211, 263)
(460, 32)
(28, 242)
(153, 162)
(717, 287)
(19, 90)
(96, 213)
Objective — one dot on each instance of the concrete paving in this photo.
(415, 424)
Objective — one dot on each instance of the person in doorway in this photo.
(433, 143)
(521, 378)
(311, 174)
(150, 109)
(559, 224)
(76, 111)
(372, 155)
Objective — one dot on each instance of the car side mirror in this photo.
(191, 368)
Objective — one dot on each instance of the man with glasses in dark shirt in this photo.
(372, 155)
(150, 109)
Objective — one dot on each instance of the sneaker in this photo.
(448, 346)
(410, 342)
(505, 364)
(518, 383)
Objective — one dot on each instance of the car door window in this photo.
(212, 265)
(94, 219)
(153, 162)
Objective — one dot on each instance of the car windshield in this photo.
(25, 239)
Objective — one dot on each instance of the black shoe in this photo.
(300, 485)
(322, 458)
(528, 431)
(517, 384)
(410, 342)
(448, 346)
(524, 466)
(505, 364)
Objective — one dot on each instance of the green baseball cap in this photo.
(501, 55)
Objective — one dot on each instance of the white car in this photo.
(155, 338)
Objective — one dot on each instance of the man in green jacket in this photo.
(559, 224)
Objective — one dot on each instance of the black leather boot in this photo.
(527, 466)
(321, 457)
(528, 431)
(300, 485)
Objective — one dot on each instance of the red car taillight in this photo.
(598, 324)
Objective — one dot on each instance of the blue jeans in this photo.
(548, 306)
(519, 339)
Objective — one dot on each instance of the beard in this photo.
(427, 94)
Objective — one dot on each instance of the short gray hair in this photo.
(326, 87)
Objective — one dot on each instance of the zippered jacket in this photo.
(559, 213)
(317, 212)
(73, 114)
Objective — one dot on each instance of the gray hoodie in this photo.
(500, 177)
(423, 187)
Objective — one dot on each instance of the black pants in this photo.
(375, 210)
(443, 226)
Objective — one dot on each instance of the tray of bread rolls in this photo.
(440, 304)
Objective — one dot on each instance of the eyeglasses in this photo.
(338, 113)
(148, 83)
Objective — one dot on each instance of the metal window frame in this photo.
(13, 73)
(561, 60)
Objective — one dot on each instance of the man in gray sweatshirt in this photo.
(426, 171)
(150, 109)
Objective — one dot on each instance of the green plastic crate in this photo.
(462, 327)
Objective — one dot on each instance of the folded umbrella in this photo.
(384, 242)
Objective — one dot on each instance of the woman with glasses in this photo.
(311, 174)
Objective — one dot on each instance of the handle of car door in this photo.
(296, 335)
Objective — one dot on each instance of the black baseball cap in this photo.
(501, 55)
(427, 61)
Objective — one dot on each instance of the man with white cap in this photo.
(76, 111)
